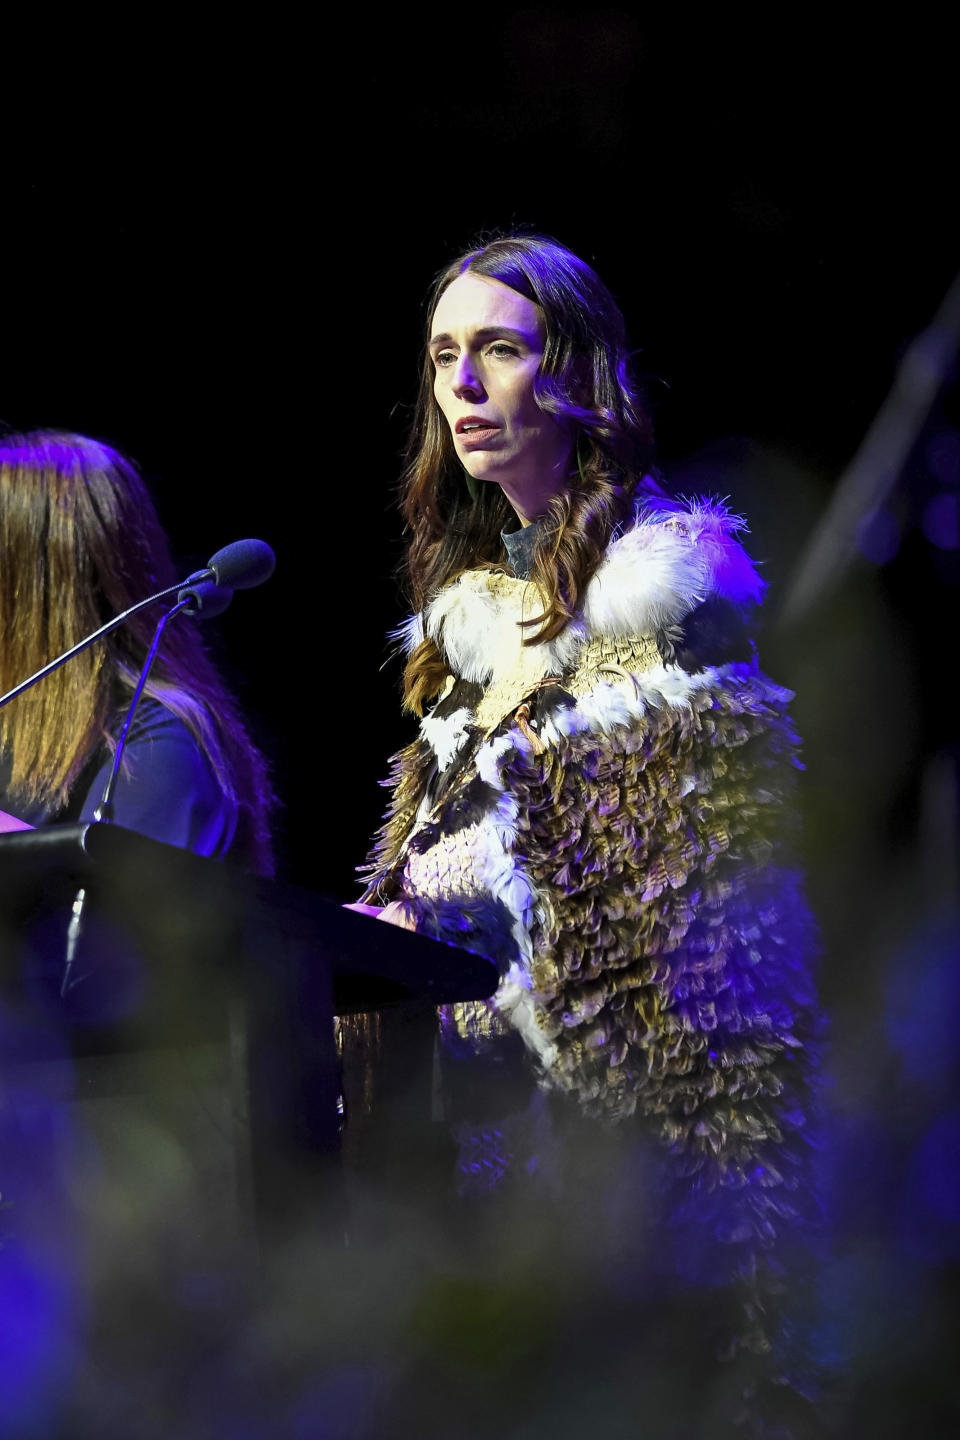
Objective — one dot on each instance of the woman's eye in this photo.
(500, 347)
(444, 358)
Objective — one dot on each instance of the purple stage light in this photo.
(878, 536)
(941, 521)
(943, 457)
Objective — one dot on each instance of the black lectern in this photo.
(197, 1027)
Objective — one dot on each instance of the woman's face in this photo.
(486, 346)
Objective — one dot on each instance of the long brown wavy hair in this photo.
(585, 378)
(80, 541)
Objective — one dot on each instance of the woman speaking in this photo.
(599, 790)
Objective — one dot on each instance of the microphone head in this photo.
(204, 599)
(243, 564)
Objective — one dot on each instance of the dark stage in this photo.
(215, 253)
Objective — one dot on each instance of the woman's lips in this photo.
(472, 438)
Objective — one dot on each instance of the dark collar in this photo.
(520, 545)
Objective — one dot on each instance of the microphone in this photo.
(203, 599)
(240, 566)
(198, 597)
(204, 594)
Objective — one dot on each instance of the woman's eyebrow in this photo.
(489, 332)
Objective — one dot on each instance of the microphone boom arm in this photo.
(104, 810)
(240, 566)
(97, 635)
(201, 596)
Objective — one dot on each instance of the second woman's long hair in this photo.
(585, 378)
(80, 541)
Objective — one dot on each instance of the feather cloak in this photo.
(607, 816)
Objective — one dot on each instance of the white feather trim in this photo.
(514, 1001)
(479, 621)
(496, 871)
(488, 868)
(445, 736)
(613, 703)
(489, 757)
(712, 528)
(409, 634)
(651, 577)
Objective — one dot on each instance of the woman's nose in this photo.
(466, 381)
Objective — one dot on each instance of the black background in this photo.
(216, 238)
(216, 246)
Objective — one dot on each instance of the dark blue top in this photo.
(520, 547)
(166, 788)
